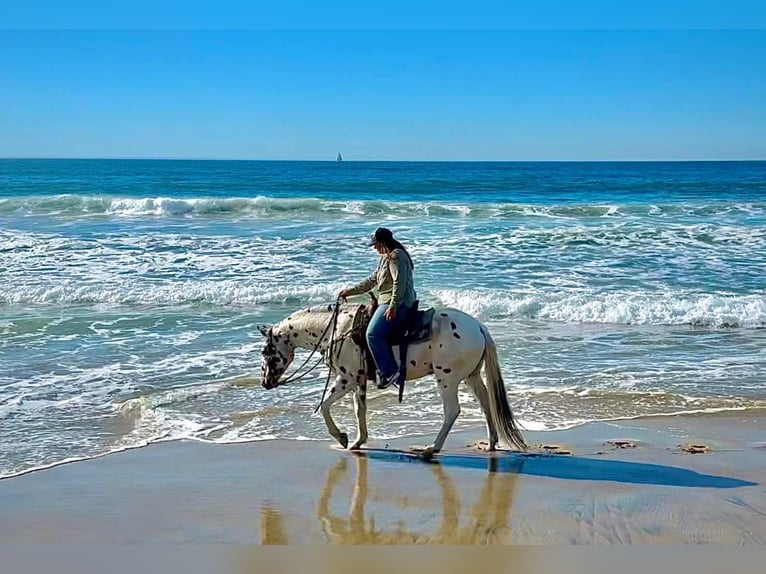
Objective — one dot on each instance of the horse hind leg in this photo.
(448, 391)
(476, 385)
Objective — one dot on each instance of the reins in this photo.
(330, 348)
(295, 376)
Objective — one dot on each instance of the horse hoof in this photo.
(357, 445)
(424, 452)
(343, 440)
(428, 453)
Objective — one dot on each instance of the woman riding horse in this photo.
(393, 279)
(459, 348)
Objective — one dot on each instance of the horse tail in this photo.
(500, 410)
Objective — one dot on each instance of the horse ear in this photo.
(264, 329)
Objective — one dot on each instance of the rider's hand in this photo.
(390, 314)
(343, 294)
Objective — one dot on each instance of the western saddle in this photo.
(416, 328)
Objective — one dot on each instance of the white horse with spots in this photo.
(458, 348)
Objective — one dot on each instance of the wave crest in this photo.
(275, 207)
(624, 308)
(620, 307)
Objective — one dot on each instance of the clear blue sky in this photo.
(386, 94)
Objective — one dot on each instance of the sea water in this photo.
(130, 291)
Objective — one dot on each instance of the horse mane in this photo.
(327, 308)
(321, 310)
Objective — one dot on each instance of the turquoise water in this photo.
(130, 291)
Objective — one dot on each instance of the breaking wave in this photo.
(274, 207)
(626, 308)
(621, 307)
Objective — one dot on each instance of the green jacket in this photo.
(393, 280)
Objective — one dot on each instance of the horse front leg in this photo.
(448, 392)
(360, 408)
(341, 386)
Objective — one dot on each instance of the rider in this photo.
(393, 279)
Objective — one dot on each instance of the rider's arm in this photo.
(363, 286)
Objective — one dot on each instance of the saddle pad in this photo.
(418, 330)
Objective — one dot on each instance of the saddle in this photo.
(416, 328)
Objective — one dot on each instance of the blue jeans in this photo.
(377, 337)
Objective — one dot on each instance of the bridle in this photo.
(296, 374)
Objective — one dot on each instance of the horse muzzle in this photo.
(270, 383)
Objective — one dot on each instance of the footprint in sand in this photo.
(695, 448)
(481, 445)
(477, 444)
(555, 449)
(622, 443)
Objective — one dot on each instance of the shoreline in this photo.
(758, 413)
(630, 482)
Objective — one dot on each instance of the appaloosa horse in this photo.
(458, 348)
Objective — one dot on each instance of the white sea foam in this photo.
(275, 207)
(221, 293)
(627, 308)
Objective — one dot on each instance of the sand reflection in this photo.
(430, 509)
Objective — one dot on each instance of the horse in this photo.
(459, 347)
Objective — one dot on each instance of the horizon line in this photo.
(154, 158)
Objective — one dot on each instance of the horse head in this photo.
(277, 354)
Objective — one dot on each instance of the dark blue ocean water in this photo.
(548, 183)
(130, 290)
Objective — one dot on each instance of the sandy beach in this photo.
(668, 480)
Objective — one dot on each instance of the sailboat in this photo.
(339, 158)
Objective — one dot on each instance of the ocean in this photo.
(130, 291)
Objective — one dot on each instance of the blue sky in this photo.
(384, 94)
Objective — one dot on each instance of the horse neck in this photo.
(306, 327)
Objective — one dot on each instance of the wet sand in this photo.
(668, 480)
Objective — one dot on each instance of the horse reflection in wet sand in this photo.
(458, 349)
(487, 522)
